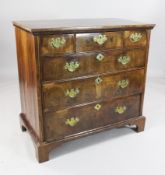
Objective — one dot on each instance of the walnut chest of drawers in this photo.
(79, 77)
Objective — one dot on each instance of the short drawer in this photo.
(56, 44)
(64, 123)
(134, 39)
(78, 65)
(58, 96)
(98, 41)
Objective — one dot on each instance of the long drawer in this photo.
(77, 65)
(64, 123)
(57, 96)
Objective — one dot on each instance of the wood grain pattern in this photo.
(48, 113)
(89, 117)
(141, 43)
(54, 97)
(79, 25)
(47, 50)
(54, 68)
(28, 68)
(85, 42)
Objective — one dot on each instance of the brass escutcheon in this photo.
(72, 121)
(120, 109)
(72, 66)
(98, 80)
(100, 39)
(124, 60)
(135, 37)
(57, 42)
(123, 83)
(72, 92)
(100, 57)
(97, 107)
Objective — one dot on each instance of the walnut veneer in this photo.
(79, 77)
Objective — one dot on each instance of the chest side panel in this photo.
(28, 68)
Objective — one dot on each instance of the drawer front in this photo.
(98, 41)
(61, 124)
(56, 44)
(61, 95)
(91, 63)
(135, 39)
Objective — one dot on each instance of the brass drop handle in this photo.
(124, 60)
(135, 37)
(72, 66)
(120, 109)
(72, 92)
(100, 57)
(97, 107)
(57, 42)
(100, 39)
(123, 83)
(72, 121)
(98, 80)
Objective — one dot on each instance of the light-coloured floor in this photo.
(115, 152)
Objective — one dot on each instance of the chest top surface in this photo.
(74, 25)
